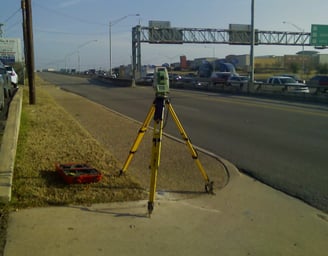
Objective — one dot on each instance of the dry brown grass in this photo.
(49, 135)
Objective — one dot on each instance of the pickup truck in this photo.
(286, 84)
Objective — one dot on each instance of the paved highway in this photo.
(283, 144)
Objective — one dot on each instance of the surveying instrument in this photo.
(157, 110)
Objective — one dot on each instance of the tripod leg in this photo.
(138, 139)
(208, 183)
(156, 150)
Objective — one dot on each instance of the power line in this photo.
(11, 16)
(70, 16)
(67, 33)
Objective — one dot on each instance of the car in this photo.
(13, 75)
(295, 77)
(3, 81)
(288, 84)
(174, 77)
(237, 81)
(149, 77)
(220, 77)
(319, 81)
(146, 80)
(8, 89)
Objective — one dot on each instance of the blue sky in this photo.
(62, 26)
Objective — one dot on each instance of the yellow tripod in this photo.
(157, 111)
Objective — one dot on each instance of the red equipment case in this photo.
(73, 173)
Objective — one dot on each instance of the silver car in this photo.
(238, 81)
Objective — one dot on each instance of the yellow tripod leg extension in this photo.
(208, 183)
(138, 139)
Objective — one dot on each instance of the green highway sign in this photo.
(319, 35)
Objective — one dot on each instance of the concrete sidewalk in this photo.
(246, 217)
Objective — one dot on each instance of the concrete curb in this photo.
(230, 169)
(9, 146)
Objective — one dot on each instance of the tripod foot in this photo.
(209, 187)
(150, 208)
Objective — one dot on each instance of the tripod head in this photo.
(161, 82)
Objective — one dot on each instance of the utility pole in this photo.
(29, 47)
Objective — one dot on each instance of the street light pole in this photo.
(112, 23)
(302, 35)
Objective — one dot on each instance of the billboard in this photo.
(159, 24)
(160, 32)
(319, 35)
(10, 50)
(165, 36)
(241, 34)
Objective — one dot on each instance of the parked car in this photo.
(13, 76)
(220, 77)
(320, 81)
(288, 84)
(237, 81)
(3, 77)
(8, 88)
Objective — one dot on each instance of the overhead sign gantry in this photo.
(163, 33)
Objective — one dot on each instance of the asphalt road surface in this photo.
(281, 143)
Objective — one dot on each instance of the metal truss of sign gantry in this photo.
(154, 35)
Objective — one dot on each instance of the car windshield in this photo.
(285, 80)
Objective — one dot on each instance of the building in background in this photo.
(183, 62)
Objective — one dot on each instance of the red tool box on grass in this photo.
(73, 173)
